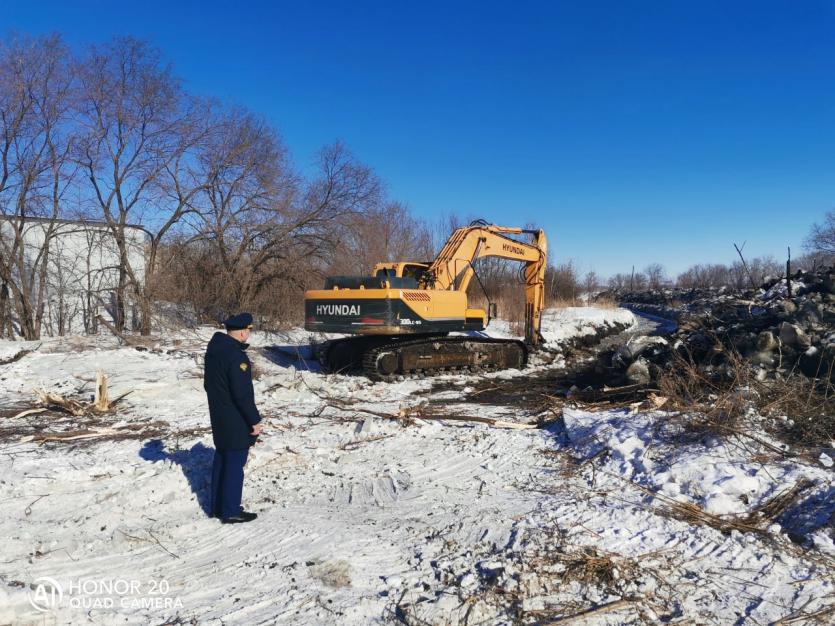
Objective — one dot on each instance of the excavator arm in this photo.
(453, 268)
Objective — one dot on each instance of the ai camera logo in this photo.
(45, 594)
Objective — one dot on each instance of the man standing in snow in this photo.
(235, 419)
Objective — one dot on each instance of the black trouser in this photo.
(228, 482)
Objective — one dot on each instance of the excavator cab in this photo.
(408, 269)
(475, 319)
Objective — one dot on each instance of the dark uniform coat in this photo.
(228, 384)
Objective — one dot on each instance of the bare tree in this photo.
(63, 303)
(561, 282)
(387, 232)
(736, 276)
(639, 281)
(821, 237)
(701, 276)
(619, 281)
(131, 108)
(656, 276)
(245, 205)
(591, 282)
(813, 260)
(342, 190)
(262, 235)
(765, 267)
(35, 91)
(174, 196)
(177, 191)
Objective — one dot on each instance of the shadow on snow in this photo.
(303, 358)
(196, 464)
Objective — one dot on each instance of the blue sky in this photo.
(632, 132)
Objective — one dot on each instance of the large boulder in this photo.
(809, 313)
(630, 351)
(638, 373)
(788, 307)
(794, 336)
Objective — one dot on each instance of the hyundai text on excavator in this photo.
(401, 316)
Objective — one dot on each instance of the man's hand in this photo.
(256, 430)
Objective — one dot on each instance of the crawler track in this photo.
(386, 358)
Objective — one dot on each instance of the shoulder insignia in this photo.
(244, 367)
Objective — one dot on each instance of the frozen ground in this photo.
(364, 519)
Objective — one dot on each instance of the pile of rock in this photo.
(769, 329)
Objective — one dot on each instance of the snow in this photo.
(562, 324)
(360, 515)
(781, 289)
(712, 474)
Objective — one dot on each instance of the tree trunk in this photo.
(5, 318)
(121, 289)
(145, 314)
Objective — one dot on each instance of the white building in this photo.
(82, 267)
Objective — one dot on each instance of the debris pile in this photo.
(538, 578)
(781, 328)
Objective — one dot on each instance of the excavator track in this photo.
(387, 358)
(343, 356)
(433, 355)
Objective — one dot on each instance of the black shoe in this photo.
(240, 518)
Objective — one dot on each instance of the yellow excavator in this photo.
(400, 318)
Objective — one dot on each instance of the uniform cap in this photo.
(239, 321)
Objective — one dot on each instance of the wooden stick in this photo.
(745, 265)
(29, 412)
(59, 401)
(355, 444)
(801, 616)
(475, 393)
(73, 437)
(120, 398)
(341, 407)
(603, 608)
(408, 414)
(113, 330)
(481, 420)
(159, 543)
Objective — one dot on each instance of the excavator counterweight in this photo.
(400, 317)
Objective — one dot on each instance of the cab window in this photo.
(414, 271)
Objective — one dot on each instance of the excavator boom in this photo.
(453, 268)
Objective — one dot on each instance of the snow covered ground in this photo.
(364, 519)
